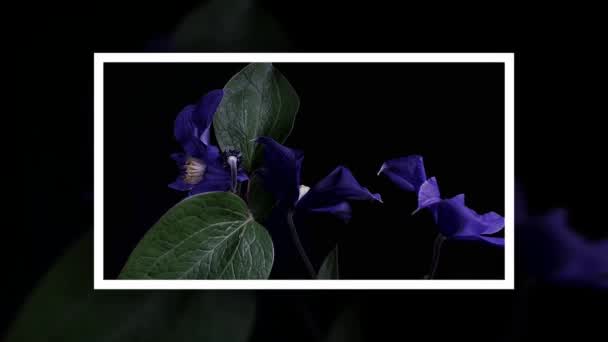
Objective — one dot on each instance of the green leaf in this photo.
(206, 236)
(65, 308)
(261, 202)
(258, 101)
(329, 268)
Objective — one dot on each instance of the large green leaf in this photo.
(207, 236)
(329, 268)
(258, 101)
(65, 308)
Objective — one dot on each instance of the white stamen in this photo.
(303, 190)
(194, 169)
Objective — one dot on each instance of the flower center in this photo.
(232, 160)
(230, 156)
(194, 169)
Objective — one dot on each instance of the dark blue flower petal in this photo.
(407, 172)
(185, 132)
(428, 194)
(339, 186)
(457, 221)
(602, 248)
(204, 112)
(215, 179)
(212, 156)
(242, 176)
(587, 266)
(459, 199)
(493, 240)
(492, 222)
(193, 123)
(554, 252)
(488, 223)
(281, 171)
(342, 211)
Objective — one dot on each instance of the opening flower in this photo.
(453, 218)
(203, 167)
(281, 175)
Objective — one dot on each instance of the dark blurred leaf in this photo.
(229, 25)
(207, 236)
(65, 308)
(346, 327)
(215, 316)
(329, 268)
(258, 101)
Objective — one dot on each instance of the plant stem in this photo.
(296, 240)
(436, 254)
(248, 190)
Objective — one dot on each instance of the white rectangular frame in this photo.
(509, 67)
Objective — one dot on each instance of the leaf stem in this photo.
(249, 181)
(296, 240)
(436, 254)
(247, 190)
(239, 190)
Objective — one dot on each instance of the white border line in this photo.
(509, 62)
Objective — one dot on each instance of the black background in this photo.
(559, 135)
(356, 115)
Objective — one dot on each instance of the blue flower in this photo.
(281, 176)
(551, 251)
(453, 218)
(203, 167)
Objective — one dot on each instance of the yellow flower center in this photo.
(194, 170)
